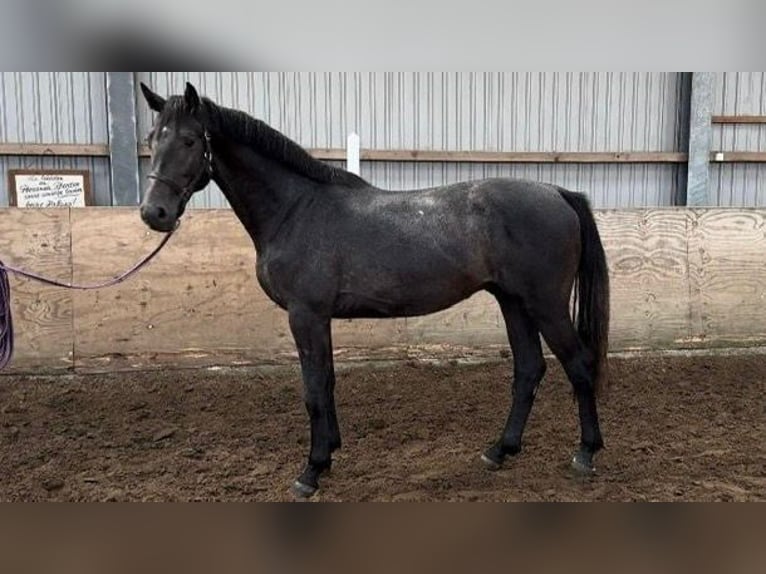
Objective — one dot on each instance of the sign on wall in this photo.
(49, 188)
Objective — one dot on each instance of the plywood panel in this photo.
(38, 241)
(199, 297)
(475, 322)
(199, 302)
(728, 262)
(647, 256)
(680, 279)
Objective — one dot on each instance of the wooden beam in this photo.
(739, 157)
(522, 157)
(54, 150)
(739, 120)
(422, 156)
(415, 156)
(325, 154)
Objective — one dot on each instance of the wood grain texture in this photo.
(728, 275)
(199, 299)
(199, 296)
(680, 279)
(39, 241)
(647, 257)
(473, 323)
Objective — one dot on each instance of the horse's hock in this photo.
(681, 279)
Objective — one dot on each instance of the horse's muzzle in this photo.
(158, 218)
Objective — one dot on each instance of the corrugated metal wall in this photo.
(482, 111)
(445, 111)
(740, 93)
(55, 107)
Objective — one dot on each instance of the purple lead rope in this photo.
(6, 319)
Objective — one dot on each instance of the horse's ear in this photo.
(156, 102)
(192, 97)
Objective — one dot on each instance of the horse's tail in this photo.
(591, 289)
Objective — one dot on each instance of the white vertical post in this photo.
(354, 154)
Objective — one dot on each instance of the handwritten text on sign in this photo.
(50, 190)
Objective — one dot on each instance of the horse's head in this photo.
(181, 157)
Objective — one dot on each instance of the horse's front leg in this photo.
(313, 339)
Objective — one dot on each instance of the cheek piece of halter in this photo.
(196, 184)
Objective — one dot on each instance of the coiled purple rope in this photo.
(6, 319)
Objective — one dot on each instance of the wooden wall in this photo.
(680, 278)
(43, 317)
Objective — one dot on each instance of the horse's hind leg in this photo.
(529, 370)
(578, 362)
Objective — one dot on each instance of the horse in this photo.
(332, 246)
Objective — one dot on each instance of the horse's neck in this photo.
(259, 190)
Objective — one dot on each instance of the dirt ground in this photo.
(680, 428)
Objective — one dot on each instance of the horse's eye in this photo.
(188, 142)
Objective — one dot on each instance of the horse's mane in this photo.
(246, 130)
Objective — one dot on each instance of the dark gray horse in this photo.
(330, 245)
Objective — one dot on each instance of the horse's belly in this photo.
(404, 301)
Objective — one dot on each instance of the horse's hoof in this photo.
(491, 465)
(303, 491)
(582, 464)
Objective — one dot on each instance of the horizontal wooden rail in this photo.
(418, 156)
(515, 157)
(423, 156)
(739, 120)
(739, 157)
(54, 150)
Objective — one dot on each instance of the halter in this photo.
(206, 170)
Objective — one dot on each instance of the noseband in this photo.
(186, 192)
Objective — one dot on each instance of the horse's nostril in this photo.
(154, 215)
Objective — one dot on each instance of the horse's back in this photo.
(526, 196)
(471, 218)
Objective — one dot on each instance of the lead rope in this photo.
(6, 318)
